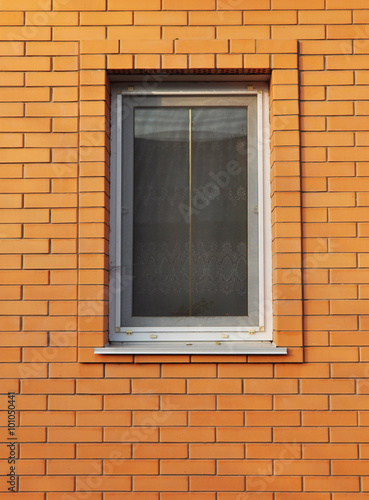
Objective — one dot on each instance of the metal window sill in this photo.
(229, 348)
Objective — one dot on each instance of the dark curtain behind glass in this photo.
(190, 259)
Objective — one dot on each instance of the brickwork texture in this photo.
(98, 427)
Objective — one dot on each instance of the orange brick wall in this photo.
(179, 427)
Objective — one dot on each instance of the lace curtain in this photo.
(190, 212)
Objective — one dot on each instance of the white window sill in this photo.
(235, 348)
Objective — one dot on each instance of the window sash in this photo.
(121, 282)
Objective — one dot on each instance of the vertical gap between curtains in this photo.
(190, 202)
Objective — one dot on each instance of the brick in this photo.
(161, 18)
(327, 386)
(128, 467)
(25, 155)
(329, 451)
(187, 434)
(12, 48)
(219, 418)
(131, 402)
(49, 418)
(65, 63)
(104, 450)
(216, 450)
(24, 307)
(338, 4)
(105, 483)
(301, 402)
(234, 434)
(301, 434)
(78, 467)
(22, 277)
(326, 109)
(134, 371)
(159, 386)
(133, 33)
(134, 5)
(328, 17)
(298, 32)
(190, 402)
(160, 418)
(223, 386)
(102, 386)
(190, 467)
(349, 467)
(23, 5)
(348, 402)
(332, 323)
(332, 484)
(243, 4)
(244, 467)
(275, 418)
(106, 18)
(188, 5)
(242, 46)
(134, 496)
(256, 61)
(289, 483)
(152, 483)
(260, 386)
(303, 5)
(75, 403)
(74, 435)
(105, 418)
(243, 32)
(10, 201)
(330, 292)
(329, 418)
(12, 79)
(50, 292)
(60, 79)
(160, 450)
(258, 402)
(327, 139)
(51, 49)
(271, 17)
(18, 33)
(25, 64)
(49, 483)
(342, 61)
(55, 19)
(69, 5)
(198, 61)
(50, 261)
(11, 261)
(10, 171)
(50, 450)
(10, 292)
(204, 18)
(50, 200)
(209, 483)
(50, 231)
(51, 109)
(245, 371)
(327, 78)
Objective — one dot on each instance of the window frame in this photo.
(232, 336)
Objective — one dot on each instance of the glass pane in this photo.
(219, 213)
(190, 212)
(160, 232)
